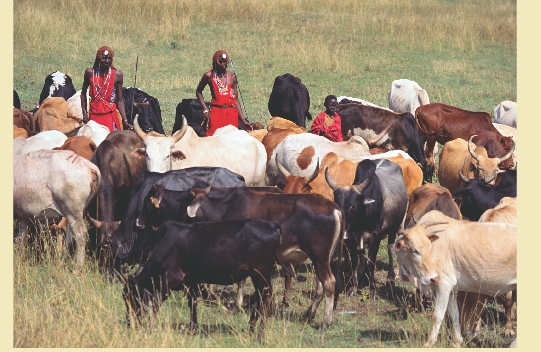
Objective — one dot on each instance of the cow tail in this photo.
(337, 273)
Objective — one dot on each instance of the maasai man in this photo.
(224, 106)
(328, 123)
(105, 83)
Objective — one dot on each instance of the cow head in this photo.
(413, 251)
(200, 200)
(298, 184)
(151, 204)
(106, 229)
(487, 168)
(159, 150)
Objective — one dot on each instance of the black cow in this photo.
(16, 100)
(193, 111)
(131, 244)
(119, 169)
(368, 121)
(374, 207)
(312, 227)
(476, 197)
(57, 84)
(290, 100)
(222, 253)
(146, 106)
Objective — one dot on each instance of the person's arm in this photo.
(119, 80)
(245, 122)
(199, 92)
(86, 84)
(318, 126)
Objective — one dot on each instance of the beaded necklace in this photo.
(220, 82)
(101, 92)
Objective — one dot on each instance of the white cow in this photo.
(363, 102)
(235, 150)
(299, 154)
(75, 103)
(506, 113)
(52, 183)
(448, 255)
(44, 140)
(406, 96)
(95, 131)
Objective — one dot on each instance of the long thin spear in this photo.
(134, 83)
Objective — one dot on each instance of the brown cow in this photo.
(442, 123)
(21, 119)
(55, 114)
(430, 197)
(276, 135)
(19, 132)
(80, 145)
(497, 146)
(279, 122)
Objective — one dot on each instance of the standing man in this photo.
(105, 83)
(224, 106)
(328, 123)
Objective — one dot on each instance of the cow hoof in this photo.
(509, 333)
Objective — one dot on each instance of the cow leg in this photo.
(371, 265)
(351, 278)
(455, 318)
(311, 312)
(391, 276)
(263, 301)
(429, 152)
(326, 284)
(470, 306)
(76, 230)
(287, 288)
(240, 294)
(510, 313)
(442, 299)
(192, 304)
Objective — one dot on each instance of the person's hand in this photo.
(85, 118)
(127, 125)
(247, 126)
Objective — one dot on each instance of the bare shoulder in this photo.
(118, 73)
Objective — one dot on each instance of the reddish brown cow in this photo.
(497, 146)
(22, 118)
(430, 197)
(442, 123)
(80, 145)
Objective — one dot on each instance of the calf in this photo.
(312, 227)
(222, 253)
(290, 100)
(463, 256)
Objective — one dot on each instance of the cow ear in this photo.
(398, 245)
(368, 200)
(192, 210)
(139, 153)
(155, 202)
(433, 237)
(178, 155)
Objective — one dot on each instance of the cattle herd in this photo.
(192, 210)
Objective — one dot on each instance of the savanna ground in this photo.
(462, 52)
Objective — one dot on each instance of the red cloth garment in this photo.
(332, 132)
(102, 100)
(223, 109)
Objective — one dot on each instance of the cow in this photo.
(258, 134)
(57, 84)
(236, 151)
(290, 100)
(476, 197)
(277, 134)
(442, 123)
(19, 132)
(16, 100)
(406, 96)
(430, 197)
(119, 170)
(345, 100)
(95, 131)
(221, 252)
(448, 255)
(128, 243)
(22, 119)
(279, 122)
(80, 145)
(509, 132)
(192, 110)
(497, 146)
(137, 102)
(74, 103)
(55, 114)
(472, 160)
(315, 237)
(44, 140)
(342, 170)
(374, 207)
(505, 113)
(299, 154)
(52, 183)
(367, 121)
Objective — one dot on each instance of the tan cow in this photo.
(21, 119)
(448, 255)
(55, 114)
(80, 145)
(279, 122)
(19, 132)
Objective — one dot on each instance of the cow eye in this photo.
(353, 207)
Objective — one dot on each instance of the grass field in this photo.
(462, 52)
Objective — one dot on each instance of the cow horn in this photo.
(433, 223)
(96, 223)
(508, 155)
(472, 152)
(362, 186)
(138, 129)
(314, 175)
(180, 133)
(330, 180)
(377, 138)
(282, 169)
(414, 219)
(462, 177)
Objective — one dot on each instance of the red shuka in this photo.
(333, 132)
(223, 110)
(102, 100)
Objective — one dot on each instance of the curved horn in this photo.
(180, 133)
(362, 186)
(314, 175)
(508, 155)
(330, 180)
(138, 129)
(462, 177)
(472, 152)
(433, 223)
(94, 222)
(377, 138)
(414, 219)
(282, 169)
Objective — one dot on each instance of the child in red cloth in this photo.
(224, 106)
(328, 123)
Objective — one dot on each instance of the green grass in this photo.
(462, 52)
